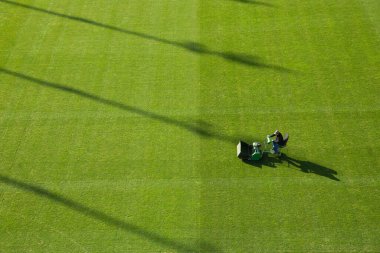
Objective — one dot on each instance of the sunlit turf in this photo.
(119, 122)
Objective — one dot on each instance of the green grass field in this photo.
(119, 122)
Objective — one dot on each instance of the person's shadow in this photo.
(310, 167)
(304, 166)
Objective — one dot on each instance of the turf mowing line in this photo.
(8, 55)
(19, 144)
(372, 14)
(109, 153)
(51, 228)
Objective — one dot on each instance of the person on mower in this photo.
(279, 141)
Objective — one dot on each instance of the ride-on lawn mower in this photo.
(256, 150)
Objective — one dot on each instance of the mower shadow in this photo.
(244, 59)
(107, 219)
(266, 161)
(303, 166)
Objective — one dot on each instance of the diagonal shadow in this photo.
(194, 47)
(254, 2)
(103, 217)
(244, 59)
(196, 129)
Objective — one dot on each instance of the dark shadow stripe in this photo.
(132, 109)
(244, 59)
(97, 215)
(255, 3)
